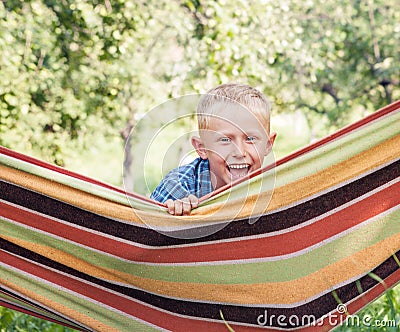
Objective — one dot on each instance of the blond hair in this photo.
(234, 93)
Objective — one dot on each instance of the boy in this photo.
(234, 137)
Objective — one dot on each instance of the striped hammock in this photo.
(89, 256)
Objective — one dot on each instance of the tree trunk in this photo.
(128, 157)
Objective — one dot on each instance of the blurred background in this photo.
(77, 76)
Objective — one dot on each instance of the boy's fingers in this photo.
(170, 206)
(186, 207)
(178, 208)
(194, 201)
(183, 206)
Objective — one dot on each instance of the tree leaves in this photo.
(69, 68)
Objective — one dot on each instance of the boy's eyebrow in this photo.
(251, 132)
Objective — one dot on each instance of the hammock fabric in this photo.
(80, 252)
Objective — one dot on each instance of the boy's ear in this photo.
(199, 147)
(272, 137)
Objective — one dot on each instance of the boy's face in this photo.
(235, 144)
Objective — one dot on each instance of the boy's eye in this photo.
(225, 139)
(251, 138)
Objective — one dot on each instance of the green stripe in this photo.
(241, 273)
(86, 307)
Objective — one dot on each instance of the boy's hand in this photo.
(182, 207)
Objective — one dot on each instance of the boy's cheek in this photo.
(219, 152)
(262, 151)
(257, 151)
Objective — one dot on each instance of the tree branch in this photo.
(377, 53)
(313, 108)
(328, 88)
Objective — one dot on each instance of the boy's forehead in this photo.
(238, 115)
(224, 106)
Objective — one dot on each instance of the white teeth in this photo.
(238, 166)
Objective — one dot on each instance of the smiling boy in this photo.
(234, 138)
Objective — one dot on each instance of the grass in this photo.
(14, 321)
(382, 315)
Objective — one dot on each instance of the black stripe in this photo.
(238, 228)
(234, 313)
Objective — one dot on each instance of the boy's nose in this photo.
(239, 150)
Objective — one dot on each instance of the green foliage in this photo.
(12, 321)
(335, 61)
(75, 71)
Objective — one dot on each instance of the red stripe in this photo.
(289, 242)
(276, 245)
(67, 232)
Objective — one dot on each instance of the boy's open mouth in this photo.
(238, 170)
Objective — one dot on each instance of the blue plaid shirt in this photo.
(193, 178)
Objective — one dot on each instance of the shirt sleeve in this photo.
(174, 186)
